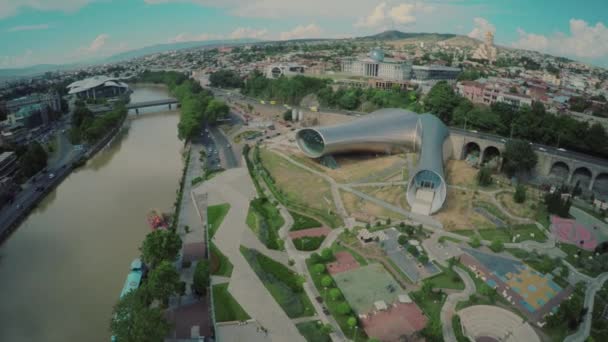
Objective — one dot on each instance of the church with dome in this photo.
(486, 51)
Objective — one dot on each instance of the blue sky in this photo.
(66, 31)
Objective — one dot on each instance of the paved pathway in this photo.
(234, 186)
(449, 307)
(585, 328)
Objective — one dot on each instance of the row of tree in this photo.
(198, 106)
(90, 128)
(527, 123)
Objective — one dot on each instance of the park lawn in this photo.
(226, 308)
(301, 222)
(284, 285)
(492, 209)
(431, 305)
(457, 326)
(215, 216)
(312, 332)
(308, 243)
(265, 220)
(448, 279)
(220, 264)
(467, 233)
(506, 234)
(449, 238)
(332, 305)
(571, 252)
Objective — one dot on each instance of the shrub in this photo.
(201, 277)
(343, 308)
(335, 294)
(497, 246)
(520, 194)
(484, 177)
(326, 281)
(402, 239)
(475, 242)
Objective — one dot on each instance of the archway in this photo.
(560, 170)
(491, 157)
(471, 152)
(600, 186)
(582, 177)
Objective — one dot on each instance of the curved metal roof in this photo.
(93, 82)
(384, 131)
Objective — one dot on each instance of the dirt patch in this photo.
(395, 195)
(313, 232)
(366, 211)
(296, 183)
(458, 172)
(458, 213)
(526, 209)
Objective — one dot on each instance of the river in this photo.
(61, 272)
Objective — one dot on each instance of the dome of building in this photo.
(377, 54)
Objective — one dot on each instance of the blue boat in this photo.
(133, 281)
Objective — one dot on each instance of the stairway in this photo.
(424, 199)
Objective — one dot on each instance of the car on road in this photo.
(542, 149)
(562, 149)
(51, 175)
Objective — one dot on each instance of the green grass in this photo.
(312, 332)
(284, 285)
(506, 234)
(542, 216)
(332, 305)
(457, 326)
(301, 222)
(265, 220)
(431, 305)
(226, 308)
(466, 233)
(215, 216)
(220, 265)
(308, 243)
(449, 238)
(448, 279)
(246, 135)
(571, 251)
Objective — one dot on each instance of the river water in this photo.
(62, 271)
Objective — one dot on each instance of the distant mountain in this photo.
(34, 70)
(394, 35)
(148, 50)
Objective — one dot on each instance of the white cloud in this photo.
(385, 14)
(188, 37)
(583, 41)
(9, 8)
(300, 32)
(17, 61)
(97, 44)
(29, 28)
(246, 32)
(481, 26)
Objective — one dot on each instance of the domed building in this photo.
(375, 64)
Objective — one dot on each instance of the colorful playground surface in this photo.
(531, 291)
(398, 320)
(344, 262)
(364, 286)
(584, 230)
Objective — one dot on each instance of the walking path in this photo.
(584, 328)
(234, 186)
(449, 307)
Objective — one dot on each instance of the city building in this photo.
(486, 50)
(50, 101)
(489, 92)
(284, 69)
(435, 73)
(376, 65)
(98, 87)
(14, 134)
(388, 131)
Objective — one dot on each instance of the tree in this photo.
(518, 157)
(497, 246)
(441, 101)
(335, 294)
(351, 321)
(556, 205)
(160, 245)
(423, 258)
(201, 278)
(475, 242)
(134, 320)
(33, 160)
(402, 239)
(427, 288)
(432, 331)
(287, 115)
(163, 281)
(225, 79)
(520, 194)
(318, 268)
(484, 176)
(343, 308)
(412, 250)
(326, 281)
(327, 254)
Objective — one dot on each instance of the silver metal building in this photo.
(388, 131)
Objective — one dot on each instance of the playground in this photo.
(534, 293)
(400, 319)
(584, 231)
(368, 285)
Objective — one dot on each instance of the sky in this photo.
(67, 31)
